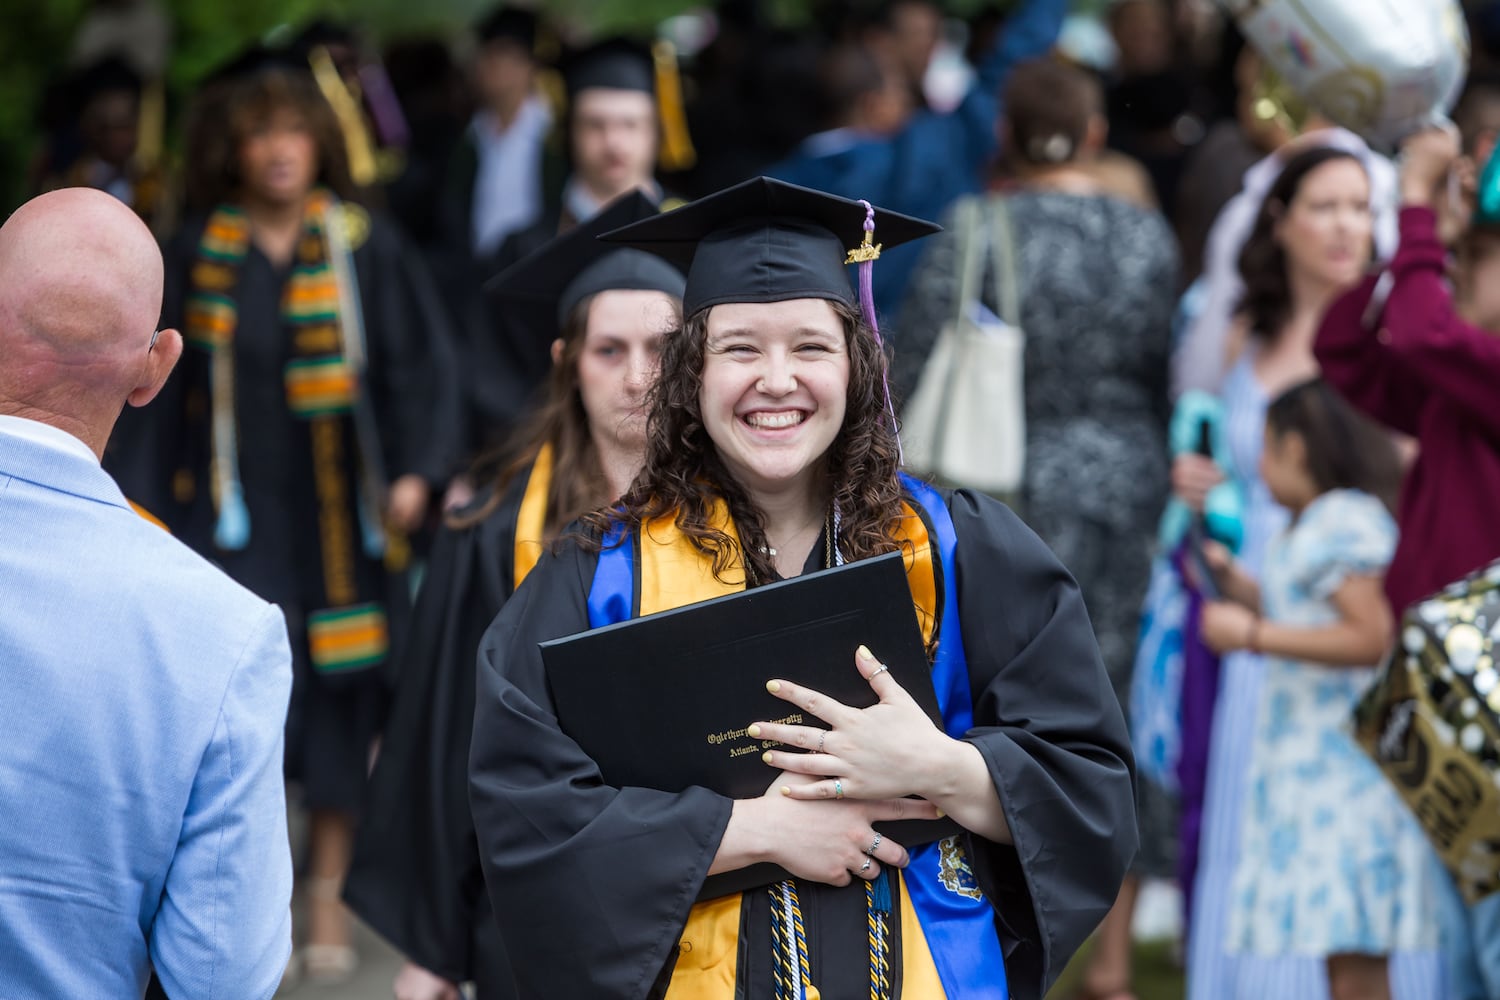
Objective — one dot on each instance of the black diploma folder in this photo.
(663, 701)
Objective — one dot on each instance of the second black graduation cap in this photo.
(576, 265)
(612, 64)
(766, 241)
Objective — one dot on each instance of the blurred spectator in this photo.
(1425, 362)
(934, 159)
(1150, 95)
(107, 102)
(302, 436)
(1201, 360)
(1215, 169)
(495, 185)
(1310, 240)
(905, 35)
(1097, 277)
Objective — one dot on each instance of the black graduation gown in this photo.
(592, 885)
(411, 379)
(415, 876)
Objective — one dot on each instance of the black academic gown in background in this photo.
(411, 380)
(592, 885)
(415, 877)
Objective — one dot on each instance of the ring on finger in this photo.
(821, 738)
(875, 844)
(838, 788)
(878, 671)
(866, 866)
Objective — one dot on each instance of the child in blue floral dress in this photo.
(1332, 863)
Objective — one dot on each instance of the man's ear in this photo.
(160, 361)
(557, 351)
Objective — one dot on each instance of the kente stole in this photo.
(347, 629)
(950, 948)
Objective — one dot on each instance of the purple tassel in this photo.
(867, 306)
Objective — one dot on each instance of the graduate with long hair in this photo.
(772, 452)
(604, 310)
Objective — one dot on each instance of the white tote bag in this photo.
(965, 424)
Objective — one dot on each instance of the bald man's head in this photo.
(80, 295)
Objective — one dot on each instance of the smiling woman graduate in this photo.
(771, 452)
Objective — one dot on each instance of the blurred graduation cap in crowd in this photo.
(508, 24)
(768, 241)
(624, 64)
(546, 286)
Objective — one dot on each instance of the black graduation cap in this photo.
(613, 64)
(768, 241)
(574, 266)
(510, 24)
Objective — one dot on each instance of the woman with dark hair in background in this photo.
(1311, 241)
(415, 877)
(302, 436)
(1096, 278)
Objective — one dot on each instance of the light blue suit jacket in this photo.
(142, 701)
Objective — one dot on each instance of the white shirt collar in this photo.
(47, 436)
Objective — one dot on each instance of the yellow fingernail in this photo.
(766, 756)
(941, 814)
(773, 687)
(863, 652)
(786, 790)
(754, 731)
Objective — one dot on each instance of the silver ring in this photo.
(821, 738)
(838, 788)
(875, 844)
(866, 866)
(878, 671)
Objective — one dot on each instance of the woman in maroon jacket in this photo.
(1426, 362)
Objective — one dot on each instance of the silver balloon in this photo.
(1382, 68)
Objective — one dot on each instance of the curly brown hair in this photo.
(226, 111)
(1267, 302)
(683, 475)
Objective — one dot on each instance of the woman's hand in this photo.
(406, 503)
(1226, 627)
(1426, 159)
(415, 983)
(1193, 476)
(886, 751)
(822, 841)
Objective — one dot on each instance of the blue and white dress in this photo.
(1214, 972)
(1331, 860)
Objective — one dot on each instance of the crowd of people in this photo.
(488, 343)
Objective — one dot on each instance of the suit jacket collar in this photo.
(58, 470)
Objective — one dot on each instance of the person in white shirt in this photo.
(509, 131)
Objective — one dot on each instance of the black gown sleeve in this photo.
(1050, 728)
(592, 884)
(415, 875)
(413, 374)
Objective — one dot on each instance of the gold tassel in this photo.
(363, 169)
(677, 152)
